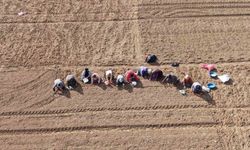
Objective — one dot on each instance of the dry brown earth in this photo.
(55, 38)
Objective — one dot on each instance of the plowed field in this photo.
(57, 37)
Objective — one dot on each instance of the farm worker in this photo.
(187, 81)
(86, 76)
(95, 79)
(58, 86)
(171, 79)
(120, 80)
(144, 72)
(109, 77)
(156, 75)
(196, 88)
(71, 82)
(131, 76)
(150, 58)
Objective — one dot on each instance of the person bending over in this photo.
(59, 86)
(86, 76)
(71, 82)
(95, 79)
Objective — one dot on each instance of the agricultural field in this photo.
(56, 37)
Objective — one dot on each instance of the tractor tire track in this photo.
(121, 18)
(114, 127)
(195, 3)
(135, 19)
(138, 108)
(195, 6)
(79, 110)
(108, 127)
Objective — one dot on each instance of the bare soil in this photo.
(56, 38)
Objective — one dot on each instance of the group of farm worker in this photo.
(129, 77)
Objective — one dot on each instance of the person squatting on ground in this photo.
(187, 81)
(150, 58)
(71, 82)
(144, 72)
(156, 75)
(59, 86)
(196, 88)
(120, 80)
(131, 77)
(171, 79)
(108, 76)
(86, 76)
(95, 79)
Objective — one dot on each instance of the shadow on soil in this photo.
(230, 82)
(129, 87)
(208, 98)
(79, 88)
(154, 64)
(102, 86)
(66, 93)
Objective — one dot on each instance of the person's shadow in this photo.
(79, 88)
(139, 84)
(120, 87)
(207, 97)
(102, 85)
(66, 93)
(166, 83)
(179, 86)
(128, 87)
(154, 63)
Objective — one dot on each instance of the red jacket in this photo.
(188, 80)
(129, 74)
